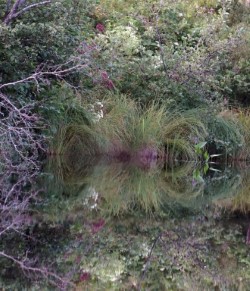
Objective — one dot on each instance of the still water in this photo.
(110, 225)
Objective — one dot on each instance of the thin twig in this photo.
(148, 260)
(43, 271)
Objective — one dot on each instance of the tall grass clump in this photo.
(128, 126)
(67, 120)
(181, 131)
(229, 134)
(225, 135)
(243, 118)
(131, 131)
(74, 139)
(131, 125)
(115, 126)
(148, 127)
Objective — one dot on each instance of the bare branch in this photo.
(56, 71)
(14, 13)
(30, 7)
(43, 271)
(13, 10)
(8, 4)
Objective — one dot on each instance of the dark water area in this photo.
(100, 224)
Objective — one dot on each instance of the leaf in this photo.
(199, 179)
(197, 176)
(213, 169)
(201, 145)
(205, 169)
(206, 156)
(215, 155)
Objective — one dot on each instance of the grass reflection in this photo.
(125, 187)
(117, 232)
(116, 188)
(241, 201)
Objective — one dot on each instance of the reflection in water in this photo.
(119, 188)
(116, 188)
(110, 225)
(242, 200)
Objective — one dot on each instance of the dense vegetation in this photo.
(144, 80)
(60, 59)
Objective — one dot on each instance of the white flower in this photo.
(96, 110)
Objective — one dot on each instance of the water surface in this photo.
(101, 224)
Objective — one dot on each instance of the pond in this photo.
(102, 224)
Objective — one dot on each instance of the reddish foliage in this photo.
(97, 226)
(106, 82)
(100, 27)
(85, 276)
(104, 75)
(109, 84)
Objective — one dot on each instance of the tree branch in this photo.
(42, 271)
(30, 7)
(8, 4)
(9, 17)
(14, 13)
(57, 71)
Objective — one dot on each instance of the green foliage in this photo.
(146, 134)
(128, 124)
(224, 136)
(238, 12)
(179, 246)
(149, 63)
(40, 38)
(26, 46)
(172, 56)
(114, 188)
(180, 131)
